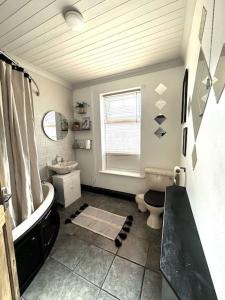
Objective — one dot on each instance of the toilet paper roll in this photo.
(176, 172)
(182, 178)
(179, 176)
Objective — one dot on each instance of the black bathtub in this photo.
(35, 237)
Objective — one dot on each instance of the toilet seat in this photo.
(154, 198)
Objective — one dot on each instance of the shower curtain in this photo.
(18, 161)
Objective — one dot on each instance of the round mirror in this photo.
(55, 125)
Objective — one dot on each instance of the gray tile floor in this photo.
(85, 266)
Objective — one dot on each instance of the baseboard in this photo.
(107, 192)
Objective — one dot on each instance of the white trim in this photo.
(29, 222)
(30, 67)
(122, 173)
(122, 154)
(131, 73)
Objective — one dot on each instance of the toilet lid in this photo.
(154, 198)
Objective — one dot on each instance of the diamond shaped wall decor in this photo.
(161, 88)
(204, 98)
(160, 104)
(160, 119)
(160, 132)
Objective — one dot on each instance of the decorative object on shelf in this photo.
(184, 97)
(219, 77)
(82, 144)
(160, 119)
(202, 24)
(81, 107)
(85, 123)
(184, 148)
(203, 83)
(75, 126)
(160, 132)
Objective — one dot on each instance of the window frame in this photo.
(102, 128)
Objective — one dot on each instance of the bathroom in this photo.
(111, 152)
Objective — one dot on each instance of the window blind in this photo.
(122, 115)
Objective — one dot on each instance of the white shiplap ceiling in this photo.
(119, 35)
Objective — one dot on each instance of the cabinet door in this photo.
(68, 193)
(50, 226)
(29, 256)
(72, 189)
(76, 185)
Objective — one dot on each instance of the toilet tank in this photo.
(159, 179)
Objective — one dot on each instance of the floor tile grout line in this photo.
(147, 254)
(74, 273)
(110, 294)
(90, 243)
(153, 270)
(142, 283)
(130, 261)
(108, 271)
(115, 254)
(98, 295)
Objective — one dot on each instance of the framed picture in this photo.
(202, 87)
(194, 157)
(202, 24)
(85, 123)
(184, 97)
(184, 148)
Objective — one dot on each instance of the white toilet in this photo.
(153, 199)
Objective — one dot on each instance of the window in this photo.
(120, 119)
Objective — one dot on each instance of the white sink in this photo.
(63, 167)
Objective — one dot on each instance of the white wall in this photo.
(53, 96)
(205, 185)
(162, 153)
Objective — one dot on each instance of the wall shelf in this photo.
(84, 144)
(81, 129)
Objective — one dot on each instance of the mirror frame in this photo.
(42, 125)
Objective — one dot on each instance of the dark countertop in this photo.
(182, 261)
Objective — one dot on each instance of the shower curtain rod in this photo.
(14, 63)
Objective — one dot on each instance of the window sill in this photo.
(123, 173)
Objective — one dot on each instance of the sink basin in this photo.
(63, 167)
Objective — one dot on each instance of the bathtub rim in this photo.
(20, 231)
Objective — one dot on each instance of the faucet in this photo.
(58, 159)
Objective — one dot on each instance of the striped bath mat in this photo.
(107, 224)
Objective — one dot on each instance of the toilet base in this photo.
(140, 202)
(154, 221)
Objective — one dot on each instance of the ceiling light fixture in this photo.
(74, 19)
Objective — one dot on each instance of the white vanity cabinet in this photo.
(67, 187)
